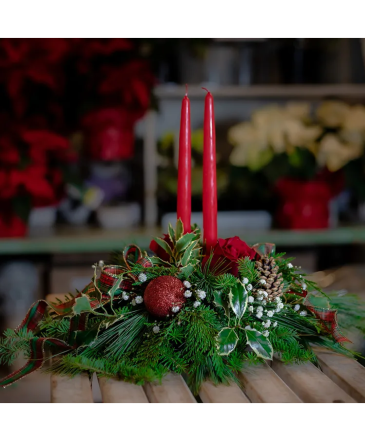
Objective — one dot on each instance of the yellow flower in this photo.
(298, 110)
(355, 119)
(332, 113)
(335, 154)
(301, 135)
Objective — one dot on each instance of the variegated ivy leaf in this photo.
(221, 301)
(226, 341)
(238, 299)
(184, 242)
(164, 245)
(179, 229)
(259, 344)
(82, 305)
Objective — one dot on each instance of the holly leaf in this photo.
(171, 234)
(184, 242)
(226, 341)
(221, 301)
(158, 261)
(179, 229)
(188, 254)
(82, 305)
(238, 299)
(188, 269)
(259, 344)
(164, 245)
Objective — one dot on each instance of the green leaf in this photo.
(184, 242)
(164, 245)
(82, 305)
(171, 234)
(317, 301)
(179, 229)
(226, 341)
(221, 301)
(188, 253)
(238, 299)
(86, 337)
(259, 344)
(188, 269)
(158, 261)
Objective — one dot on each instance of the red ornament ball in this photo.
(162, 294)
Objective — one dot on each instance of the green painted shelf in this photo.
(89, 240)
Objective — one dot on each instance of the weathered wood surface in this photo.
(262, 384)
(345, 372)
(309, 383)
(172, 389)
(114, 391)
(71, 390)
(210, 393)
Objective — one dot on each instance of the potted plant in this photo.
(306, 157)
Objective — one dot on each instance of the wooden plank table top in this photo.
(342, 380)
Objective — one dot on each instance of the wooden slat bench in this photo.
(343, 380)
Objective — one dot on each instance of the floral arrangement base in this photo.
(182, 310)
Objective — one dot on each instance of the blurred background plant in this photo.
(63, 100)
(299, 151)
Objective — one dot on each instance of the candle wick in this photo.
(186, 90)
(206, 89)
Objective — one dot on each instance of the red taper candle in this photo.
(209, 176)
(184, 167)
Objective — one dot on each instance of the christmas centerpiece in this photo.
(202, 307)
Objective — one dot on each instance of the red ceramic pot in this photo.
(303, 204)
(109, 134)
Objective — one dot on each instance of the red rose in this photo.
(159, 251)
(226, 254)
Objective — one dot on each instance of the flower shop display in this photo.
(314, 155)
(63, 99)
(200, 306)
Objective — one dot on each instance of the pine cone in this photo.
(269, 271)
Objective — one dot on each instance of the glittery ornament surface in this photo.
(162, 294)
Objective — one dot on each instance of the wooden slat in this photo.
(224, 394)
(262, 384)
(172, 389)
(116, 391)
(71, 390)
(309, 383)
(345, 372)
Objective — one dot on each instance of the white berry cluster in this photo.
(199, 294)
(297, 309)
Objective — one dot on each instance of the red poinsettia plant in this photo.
(31, 175)
(51, 89)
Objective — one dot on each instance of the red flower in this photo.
(9, 154)
(43, 142)
(226, 253)
(131, 84)
(159, 251)
(34, 59)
